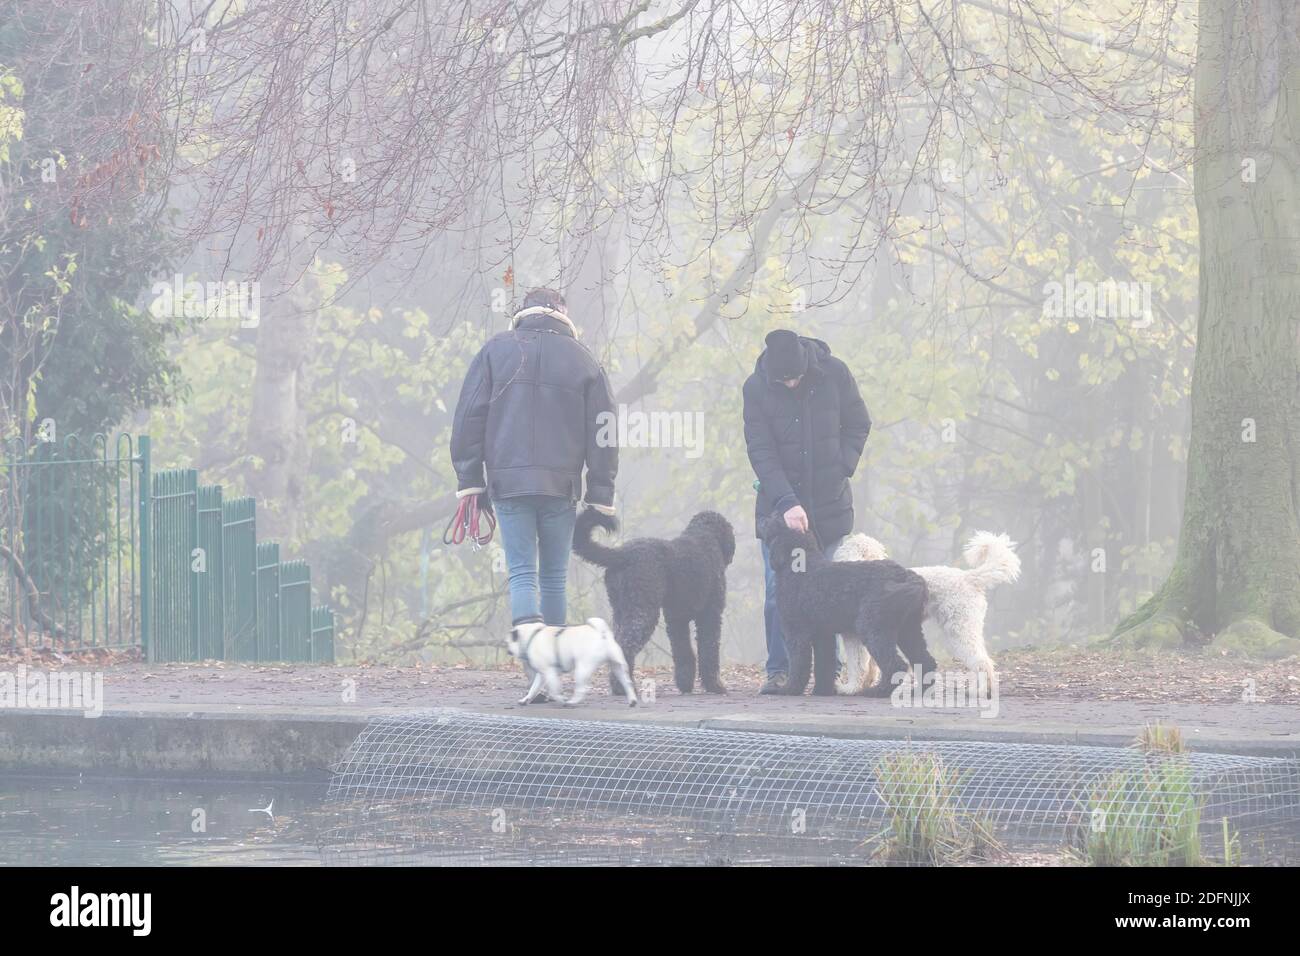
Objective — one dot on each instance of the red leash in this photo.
(465, 523)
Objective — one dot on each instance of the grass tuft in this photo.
(925, 823)
(1160, 738)
(1145, 817)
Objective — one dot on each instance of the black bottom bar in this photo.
(563, 907)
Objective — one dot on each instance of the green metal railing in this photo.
(175, 597)
(69, 543)
(322, 635)
(209, 581)
(268, 601)
(295, 611)
(97, 550)
(239, 569)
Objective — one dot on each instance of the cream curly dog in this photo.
(955, 602)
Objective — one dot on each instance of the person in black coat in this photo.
(805, 428)
(528, 420)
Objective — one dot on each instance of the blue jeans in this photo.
(778, 661)
(537, 536)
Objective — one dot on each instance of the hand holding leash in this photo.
(796, 518)
(467, 521)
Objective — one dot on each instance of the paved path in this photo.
(1026, 711)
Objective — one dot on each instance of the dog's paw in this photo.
(523, 700)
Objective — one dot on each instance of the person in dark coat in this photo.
(526, 424)
(805, 428)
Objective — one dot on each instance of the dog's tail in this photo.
(992, 559)
(586, 548)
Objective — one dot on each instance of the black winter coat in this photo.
(527, 414)
(805, 442)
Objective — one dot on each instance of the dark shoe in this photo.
(775, 684)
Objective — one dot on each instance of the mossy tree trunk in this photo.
(1237, 574)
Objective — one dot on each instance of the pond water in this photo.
(112, 821)
(131, 821)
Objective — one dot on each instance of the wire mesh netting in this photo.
(448, 787)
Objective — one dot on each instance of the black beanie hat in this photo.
(785, 356)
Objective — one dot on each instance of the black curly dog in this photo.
(818, 598)
(686, 578)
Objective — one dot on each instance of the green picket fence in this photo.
(97, 550)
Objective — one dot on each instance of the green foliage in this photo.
(80, 351)
(11, 111)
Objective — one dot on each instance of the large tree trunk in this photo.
(1237, 574)
(277, 426)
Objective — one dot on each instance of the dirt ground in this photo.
(1100, 675)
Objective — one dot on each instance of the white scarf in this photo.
(543, 310)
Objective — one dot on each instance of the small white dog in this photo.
(547, 652)
(956, 601)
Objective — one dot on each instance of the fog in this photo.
(991, 218)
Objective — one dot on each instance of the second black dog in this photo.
(817, 598)
(684, 577)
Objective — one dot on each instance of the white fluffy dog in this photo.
(547, 652)
(956, 601)
(859, 671)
